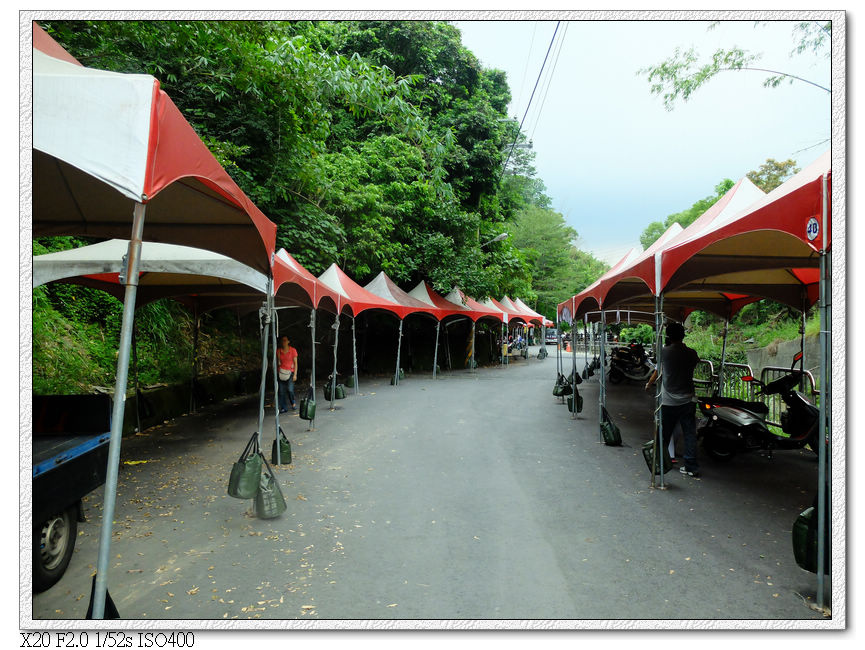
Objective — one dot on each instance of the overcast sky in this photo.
(612, 157)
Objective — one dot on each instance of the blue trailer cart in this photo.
(70, 456)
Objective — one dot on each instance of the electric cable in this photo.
(526, 69)
(546, 56)
(549, 80)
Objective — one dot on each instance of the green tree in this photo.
(682, 74)
(772, 173)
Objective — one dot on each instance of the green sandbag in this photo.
(244, 478)
(269, 502)
(647, 456)
(610, 432)
(284, 450)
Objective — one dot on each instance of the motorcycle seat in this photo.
(759, 408)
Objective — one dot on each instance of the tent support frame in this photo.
(354, 354)
(436, 350)
(335, 328)
(398, 349)
(823, 458)
(274, 330)
(133, 260)
(312, 315)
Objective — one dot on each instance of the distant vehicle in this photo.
(551, 338)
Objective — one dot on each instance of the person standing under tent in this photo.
(677, 364)
(287, 374)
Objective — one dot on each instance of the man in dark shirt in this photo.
(677, 394)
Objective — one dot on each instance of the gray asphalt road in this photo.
(473, 496)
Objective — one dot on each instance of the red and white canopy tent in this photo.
(355, 299)
(476, 309)
(105, 141)
(776, 247)
(518, 312)
(633, 284)
(773, 246)
(476, 312)
(200, 279)
(109, 148)
(382, 286)
(425, 294)
(533, 315)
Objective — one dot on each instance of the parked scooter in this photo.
(630, 362)
(734, 426)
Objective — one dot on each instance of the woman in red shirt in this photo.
(287, 374)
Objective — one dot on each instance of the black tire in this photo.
(53, 544)
(616, 376)
(717, 446)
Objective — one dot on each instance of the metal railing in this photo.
(704, 378)
(774, 402)
(733, 386)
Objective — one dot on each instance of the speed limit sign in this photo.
(812, 229)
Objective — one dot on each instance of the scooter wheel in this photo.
(717, 446)
(616, 376)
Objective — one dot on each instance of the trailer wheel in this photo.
(53, 544)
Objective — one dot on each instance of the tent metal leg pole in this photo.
(436, 351)
(312, 372)
(135, 372)
(265, 326)
(602, 394)
(802, 336)
(335, 327)
(824, 443)
(574, 367)
(354, 354)
(558, 347)
(659, 421)
(472, 343)
(274, 329)
(723, 359)
(133, 259)
(398, 349)
(240, 336)
(585, 342)
(195, 329)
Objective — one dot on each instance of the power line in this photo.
(546, 56)
(549, 81)
(526, 69)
